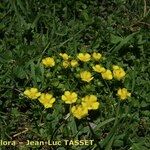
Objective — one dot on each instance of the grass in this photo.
(31, 30)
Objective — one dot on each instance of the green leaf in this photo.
(115, 39)
(72, 125)
(123, 42)
(104, 123)
(33, 76)
(19, 72)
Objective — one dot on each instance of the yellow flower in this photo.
(48, 62)
(98, 68)
(84, 57)
(32, 93)
(97, 56)
(66, 64)
(69, 97)
(86, 76)
(90, 102)
(74, 63)
(118, 72)
(47, 100)
(79, 111)
(107, 75)
(115, 67)
(123, 93)
(64, 56)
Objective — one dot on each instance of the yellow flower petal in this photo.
(107, 75)
(90, 102)
(84, 57)
(123, 93)
(48, 62)
(86, 76)
(66, 64)
(69, 97)
(97, 56)
(79, 111)
(64, 56)
(74, 63)
(118, 72)
(99, 68)
(32, 93)
(47, 100)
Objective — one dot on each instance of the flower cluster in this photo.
(86, 68)
(67, 62)
(44, 98)
(118, 72)
(88, 102)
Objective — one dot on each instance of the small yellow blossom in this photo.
(47, 100)
(66, 64)
(32, 93)
(107, 75)
(90, 102)
(84, 57)
(98, 68)
(74, 63)
(64, 56)
(118, 72)
(48, 62)
(69, 97)
(123, 93)
(86, 76)
(97, 56)
(79, 111)
(115, 67)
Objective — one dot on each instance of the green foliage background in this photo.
(30, 30)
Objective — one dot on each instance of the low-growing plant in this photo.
(83, 79)
(54, 88)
